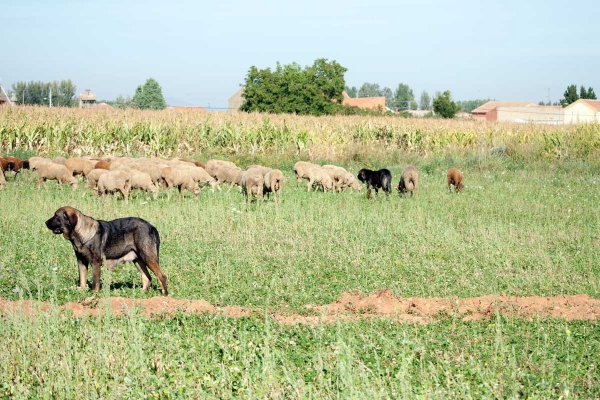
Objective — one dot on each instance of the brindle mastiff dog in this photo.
(109, 243)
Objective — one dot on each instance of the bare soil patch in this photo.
(381, 304)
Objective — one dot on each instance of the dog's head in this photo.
(64, 221)
(362, 175)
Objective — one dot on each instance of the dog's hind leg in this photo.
(146, 278)
(162, 278)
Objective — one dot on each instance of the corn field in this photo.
(169, 133)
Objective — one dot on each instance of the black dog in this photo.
(375, 180)
(109, 243)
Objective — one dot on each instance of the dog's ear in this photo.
(71, 216)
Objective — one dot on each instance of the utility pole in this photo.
(50, 97)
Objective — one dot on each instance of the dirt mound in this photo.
(381, 304)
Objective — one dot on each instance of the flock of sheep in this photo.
(123, 174)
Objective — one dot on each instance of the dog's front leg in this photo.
(96, 272)
(83, 271)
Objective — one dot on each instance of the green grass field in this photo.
(516, 229)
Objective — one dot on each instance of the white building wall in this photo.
(580, 113)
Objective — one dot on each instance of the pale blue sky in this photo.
(201, 51)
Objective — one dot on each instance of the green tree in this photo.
(444, 106)
(63, 93)
(351, 91)
(425, 101)
(591, 95)
(314, 90)
(38, 93)
(570, 96)
(149, 96)
(370, 90)
(20, 89)
(122, 102)
(389, 97)
(469, 105)
(403, 97)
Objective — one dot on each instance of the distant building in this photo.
(528, 114)
(4, 100)
(372, 103)
(582, 110)
(483, 112)
(87, 99)
(236, 101)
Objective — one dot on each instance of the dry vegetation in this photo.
(169, 133)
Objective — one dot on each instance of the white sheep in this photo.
(115, 181)
(53, 171)
(252, 184)
(301, 169)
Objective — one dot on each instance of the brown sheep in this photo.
(6, 165)
(180, 179)
(301, 170)
(102, 165)
(317, 175)
(273, 183)
(252, 184)
(53, 171)
(80, 166)
(115, 181)
(455, 178)
(17, 163)
(409, 181)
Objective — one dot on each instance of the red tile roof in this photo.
(592, 104)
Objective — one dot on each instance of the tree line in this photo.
(58, 93)
(318, 90)
(62, 94)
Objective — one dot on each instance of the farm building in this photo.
(525, 114)
(87, 99)
(364, 102)
(4, 100)
(482, 112)
(582, 110)
(235, 101)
